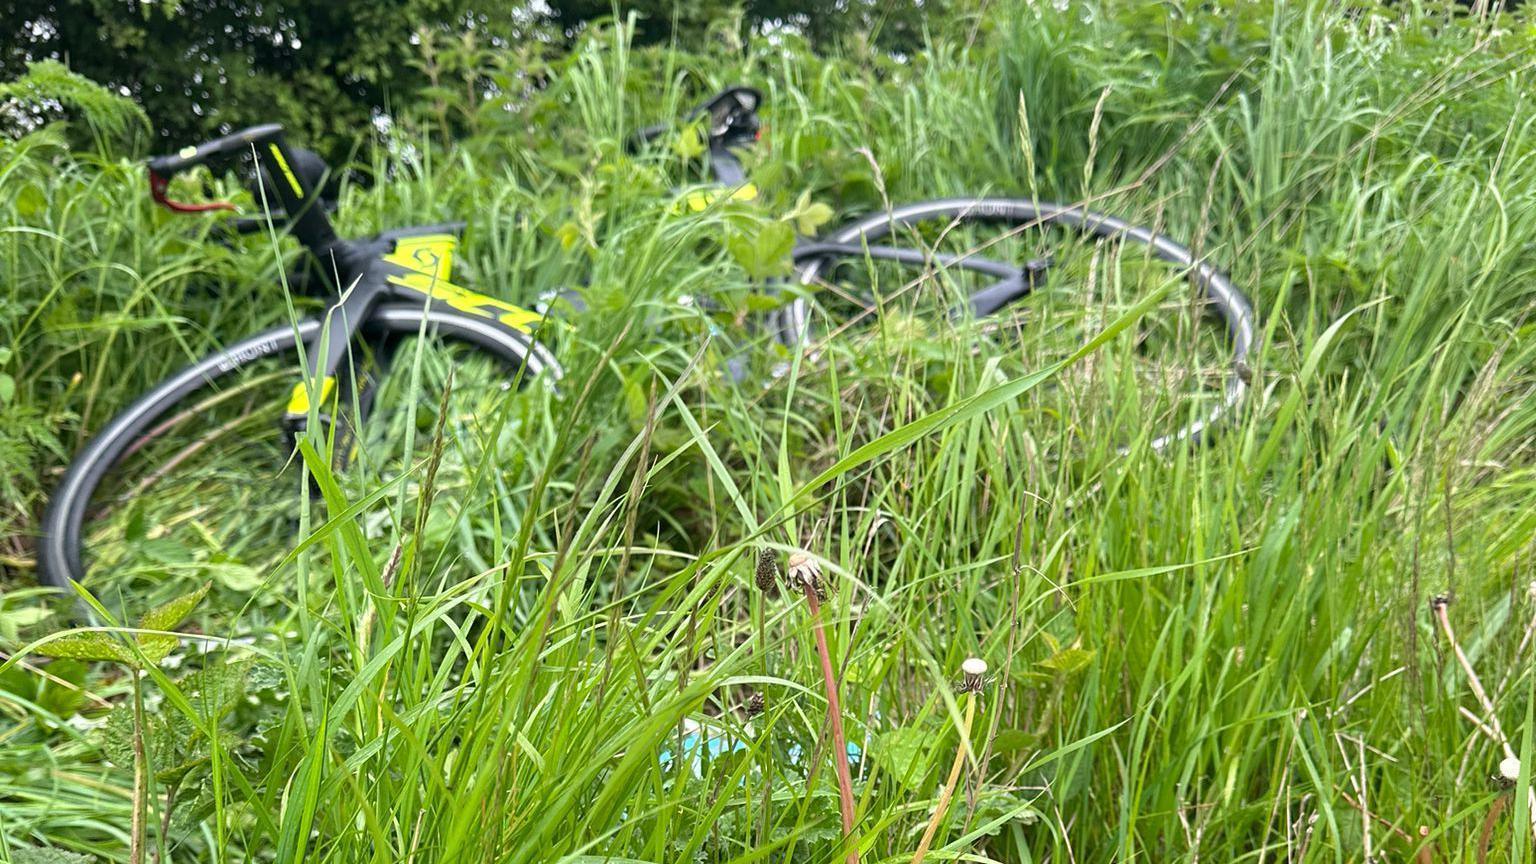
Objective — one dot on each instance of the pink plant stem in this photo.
(835, 714)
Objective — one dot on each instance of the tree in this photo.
(894, 24)
(328, 69)
(201, 67)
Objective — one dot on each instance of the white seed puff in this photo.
(973, 672)
(1509, 769)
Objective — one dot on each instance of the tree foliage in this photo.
(201, 67)
(894, 24)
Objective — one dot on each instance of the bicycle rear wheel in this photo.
(942, 231)
(197, 481)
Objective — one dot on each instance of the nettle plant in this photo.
(171, 735)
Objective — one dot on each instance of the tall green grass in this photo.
(1222, 653)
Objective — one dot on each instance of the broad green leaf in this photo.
(1012, 741)
(808, 215)
(217, 689)
(170, 615)
(47, 855)
(12, 621)
(190, 812)
(63, 691)
(31, 200)
(764, 253)
(901, 750)
(999, 811)
(88, 646)
(690, 143)
(135, 526)
(813, 217)
(235, 576)
(193, 753)
(1069, 660)
(158, 646)
(59, 693)
(760, 303)
(172, 745)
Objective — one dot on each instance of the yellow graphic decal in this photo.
(431, 254)
(282, 163)
(428, 262)
(298, 401)
(700, 200)
(466, 300)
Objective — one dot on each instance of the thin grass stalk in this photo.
(974, 668)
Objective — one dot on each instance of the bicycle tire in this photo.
(1215, 285)
(59, 545)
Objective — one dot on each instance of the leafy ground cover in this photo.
(553, 645)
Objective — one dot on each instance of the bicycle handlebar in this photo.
(732, 118)
(293, 178)
(201, 154)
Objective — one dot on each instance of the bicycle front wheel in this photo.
(197, 481)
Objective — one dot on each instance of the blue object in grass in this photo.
(716, 746)
(719, 745)
(854, 753)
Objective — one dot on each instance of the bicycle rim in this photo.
(1213, 404)
(197, 480)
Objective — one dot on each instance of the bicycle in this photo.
(1012, 283)
(397, 285)
(393, 286)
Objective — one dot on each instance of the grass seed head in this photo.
(767, 569)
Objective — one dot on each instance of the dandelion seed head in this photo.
(1509, 769)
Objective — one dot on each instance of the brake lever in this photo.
(157, 189)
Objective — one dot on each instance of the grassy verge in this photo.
(1224, 653)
